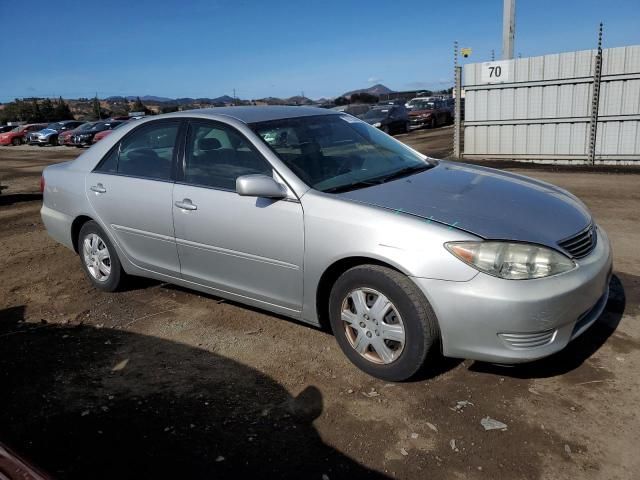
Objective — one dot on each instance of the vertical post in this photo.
(508, 28)
(457, 127)
(595, 100)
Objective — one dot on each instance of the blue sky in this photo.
(199, 48)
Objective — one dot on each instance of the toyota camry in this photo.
(316, 215)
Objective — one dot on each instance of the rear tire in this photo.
(99, 259)
(406, 127)
(53, 140)
(405, 309)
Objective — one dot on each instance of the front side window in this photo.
(147, 152)
(216, 155)
(334, 153)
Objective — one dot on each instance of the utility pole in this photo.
(235, 102)
(457, 126)
(508, 28)
(595, 100)
(493, 54)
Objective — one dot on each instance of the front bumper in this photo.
(39, 141)
(419, 122)
(513, 321)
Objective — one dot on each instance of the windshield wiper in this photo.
(404, 172)
(351, 186)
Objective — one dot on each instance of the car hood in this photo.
(488, 203)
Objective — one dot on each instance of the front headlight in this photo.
(377, 124)
(511, 261)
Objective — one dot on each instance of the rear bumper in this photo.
(58, 225)
(507, 321)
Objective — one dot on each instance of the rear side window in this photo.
(147, 152)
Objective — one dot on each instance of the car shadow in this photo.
(435, 365)
(580, 349)
(84, 402)
(19, 198)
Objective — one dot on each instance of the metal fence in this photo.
(543, 108)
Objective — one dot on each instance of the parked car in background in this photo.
(429, 113)
(406, 257)
(49, 135)
(85, 137)
(65, 138)
(104, 133)
(6, 128)
(358, 109)
(410, 103)
(388, 118)
(17, 135)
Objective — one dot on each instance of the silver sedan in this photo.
(316, 215)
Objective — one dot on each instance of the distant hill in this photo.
(173, 101)
(377, 89)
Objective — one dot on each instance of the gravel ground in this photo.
(157, 381)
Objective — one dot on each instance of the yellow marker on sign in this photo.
(465, 52)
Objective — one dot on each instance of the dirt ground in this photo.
(157, 381)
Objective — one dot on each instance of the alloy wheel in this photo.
(373, 326)
(96, 256)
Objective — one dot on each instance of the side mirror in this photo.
(259, 186)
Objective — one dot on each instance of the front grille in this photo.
(528, 340)
(581, 244)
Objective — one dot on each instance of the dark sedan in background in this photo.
(85, 138)
(388, 118)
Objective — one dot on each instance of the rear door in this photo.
(252, 247)
(131, 192)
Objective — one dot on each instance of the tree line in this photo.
(38, 110)
(34, 111)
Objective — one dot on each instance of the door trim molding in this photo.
(235, 253)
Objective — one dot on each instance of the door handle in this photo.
(186, 204)
(99, 188)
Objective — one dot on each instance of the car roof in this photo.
(253, 114)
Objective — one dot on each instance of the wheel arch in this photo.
(332, 273)
(76, 225)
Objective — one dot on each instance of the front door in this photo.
(247, 246)
(131, 191)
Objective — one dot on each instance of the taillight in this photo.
(42, 184)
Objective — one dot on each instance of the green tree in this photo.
(363, 97)
(33, 114)
(62, 111)
(138, 106)
(47, 110)
(341, 101)
(95, 107)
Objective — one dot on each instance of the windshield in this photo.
(18, 129)
(334, 153)
(422, 105)
(379, 112)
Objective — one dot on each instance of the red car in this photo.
(100, 135)
(16, 136)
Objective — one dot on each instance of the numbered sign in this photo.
(496, 72)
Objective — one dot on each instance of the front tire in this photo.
(99, 258)
(382, 322)
(16, 141)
